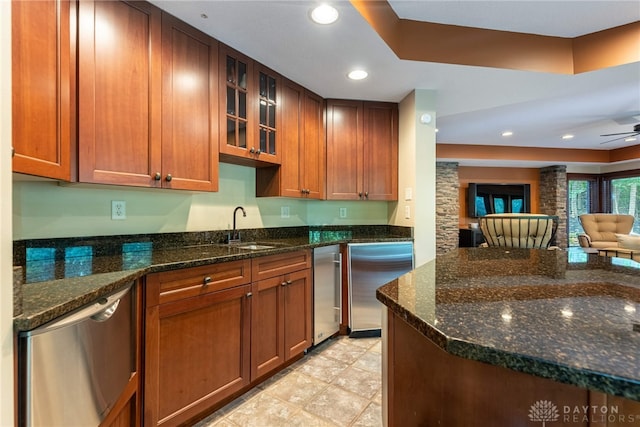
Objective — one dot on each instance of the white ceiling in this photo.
(475, 104)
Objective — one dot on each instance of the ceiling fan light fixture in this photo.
(324, 14)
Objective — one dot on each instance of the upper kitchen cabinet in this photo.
(119, 93)
(249, 116)
(189, 107)
(147, 99)
(302, 170)
(43, 88)
(362, 150)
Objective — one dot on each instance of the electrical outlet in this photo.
(118, 209)
(343, 212)
(284, 212)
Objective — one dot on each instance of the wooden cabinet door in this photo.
(268, 148)
(380, 151)
(344, 150)
(237, 105)
(197, 353)
(119, 93)
(362, 150)
(302, 170)
(43, 87)
(297, 313)
(267, 326)
(313, 149)
(291, 134)
(189, 107)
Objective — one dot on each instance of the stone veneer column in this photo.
(553, 198)
(447, 206)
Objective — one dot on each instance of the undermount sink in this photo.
(254, 246)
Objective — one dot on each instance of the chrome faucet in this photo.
(235, 234)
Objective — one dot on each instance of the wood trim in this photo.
(501, 49)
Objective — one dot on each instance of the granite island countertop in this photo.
(567, 316)
(61, 275)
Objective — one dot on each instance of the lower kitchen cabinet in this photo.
(212, 333)
(197, 348)
(281, 320)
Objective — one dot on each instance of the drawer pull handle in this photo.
(206, 281)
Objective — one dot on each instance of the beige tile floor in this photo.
(338, 383)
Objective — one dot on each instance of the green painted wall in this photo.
(46, 209)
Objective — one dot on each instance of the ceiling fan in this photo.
(636, 131)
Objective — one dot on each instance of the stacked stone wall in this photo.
(447, 206)
(553, 198)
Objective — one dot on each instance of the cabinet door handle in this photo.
(169, 177)
(283, 284)
(249, 294)
(206, 281)
(288, 282)
(157, 176)
(253, 150)
(360, 195)
(366, 194)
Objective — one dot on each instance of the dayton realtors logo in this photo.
(543, 410)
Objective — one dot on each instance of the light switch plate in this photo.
(407, 212)
(408, 193)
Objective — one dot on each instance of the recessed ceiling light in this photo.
(204, 16)
(567, 136)
(507, 133)
(324, 14)
(358, 74)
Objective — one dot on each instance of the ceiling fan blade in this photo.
(622, 137)
(614, 134)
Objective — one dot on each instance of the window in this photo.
(617, 192)
(625, 198)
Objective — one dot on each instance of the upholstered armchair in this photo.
(519, 230)
(600, 229)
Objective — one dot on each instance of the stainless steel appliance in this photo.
(371, 265)
(72, 370)
(327, 283)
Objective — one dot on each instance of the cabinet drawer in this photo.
(275, 265)
(189, 282)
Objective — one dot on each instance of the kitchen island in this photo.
(495, 337)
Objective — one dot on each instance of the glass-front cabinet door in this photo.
(236, 102)
(267, 113)
(248, 115)
(269, 85)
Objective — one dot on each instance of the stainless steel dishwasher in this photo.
(371, 265)
(73, 369)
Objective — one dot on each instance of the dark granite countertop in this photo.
(569, 316)
(61, 275)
